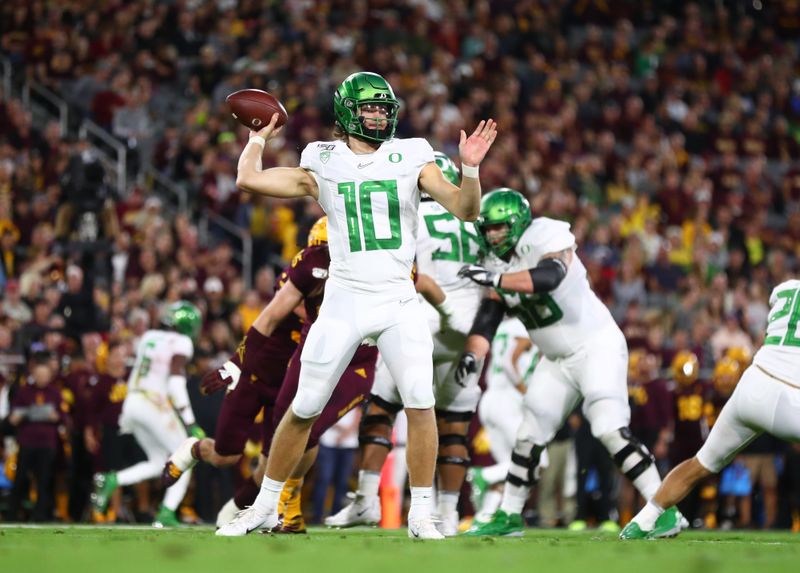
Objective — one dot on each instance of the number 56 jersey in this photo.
(371, 201)
(558, 322)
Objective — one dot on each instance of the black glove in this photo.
(467, 365)
(480, 275)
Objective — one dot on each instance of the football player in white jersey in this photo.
(157, 410)
(533, 273)
(513, 359)
(444, 244)
(368, 183)
(766, 399)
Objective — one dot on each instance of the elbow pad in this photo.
(548, 274)
(490, 315)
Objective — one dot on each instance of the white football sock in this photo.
(491, 501)
(648, 516)
(649, 482)
(177, 491)
(448, 502)
(421, 502)
(368, 483)
(268, 497)
(514, 498)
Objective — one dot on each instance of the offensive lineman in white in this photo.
(513, 359)
(157, 410)
(368, 183)
(444, 244)
(766, 399)
(535, 275)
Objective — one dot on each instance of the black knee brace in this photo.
(446, 416)
(369, 422)
(634, 456)
(453, 440)
(523, 467)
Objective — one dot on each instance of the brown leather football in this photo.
(254, 108)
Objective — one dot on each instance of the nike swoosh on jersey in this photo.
(360, 166)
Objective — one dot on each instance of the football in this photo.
(254, 108)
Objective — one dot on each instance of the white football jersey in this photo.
(780, 354)
(153, 358)
(559, 321)
(444, 245)
(503, 346)
(371, 201)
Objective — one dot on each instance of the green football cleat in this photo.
(478, 486)
(578, 525)
(668, 524)
(166, 518)
(501, 525)
(633, 531)
(609, 526)
(104, 486)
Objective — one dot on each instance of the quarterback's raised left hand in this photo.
(473, 149)
(480, 275)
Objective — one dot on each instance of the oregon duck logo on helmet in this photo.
(503, 206)
(184, 317)
(359, 89)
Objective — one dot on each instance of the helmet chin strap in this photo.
(374, 132)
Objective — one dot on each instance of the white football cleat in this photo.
(447, 524)
(423, 528)
(227, 513)
(363, 510)
(247, 521)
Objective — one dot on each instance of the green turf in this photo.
(118, 550)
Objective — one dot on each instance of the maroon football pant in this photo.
(254, 391)
(353, 388)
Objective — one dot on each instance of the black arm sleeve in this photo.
(548, 274)
(490, 315)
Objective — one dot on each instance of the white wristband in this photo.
(469, 171)
(258, 140)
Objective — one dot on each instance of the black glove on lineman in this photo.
(467, 365)
(480, 275)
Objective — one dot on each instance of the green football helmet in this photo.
(359, 89)
(503, 206)
(184, 317)
(449, 169)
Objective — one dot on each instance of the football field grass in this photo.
(139, 550)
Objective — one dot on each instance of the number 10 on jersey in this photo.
(358, 210)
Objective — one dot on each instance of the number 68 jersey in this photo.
(558, 322)
(371, 201)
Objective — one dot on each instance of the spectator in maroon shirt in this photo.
(37, 410)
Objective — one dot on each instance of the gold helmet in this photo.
(726, 375)
(685, 367)
(318, 234)
(740, 354)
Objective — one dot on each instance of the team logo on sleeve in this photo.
(395, 157)
(319, 273)
(324, 156)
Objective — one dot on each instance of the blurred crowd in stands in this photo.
(666, 133)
